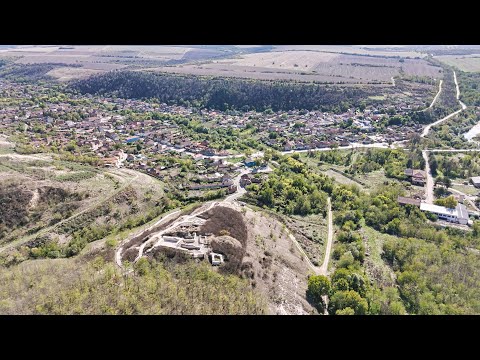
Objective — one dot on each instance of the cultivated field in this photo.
(327, 64)
(97, 59)
(304, 65)
(69, 73)
(372, 50)
(468, 63)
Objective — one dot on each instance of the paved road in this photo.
(240, 190)
(382, 145)
(215, 157)
(452, 150)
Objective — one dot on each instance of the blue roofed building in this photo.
(132, 139)
(249, 162)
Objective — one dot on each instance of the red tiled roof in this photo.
(408, 201)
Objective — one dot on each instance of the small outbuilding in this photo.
(475, 181)
(217, 259)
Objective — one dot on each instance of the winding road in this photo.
(240, 190)
(427, 128)
(429, 196)
(118, 253)
(328, 249)
(323, 269)
(229, 199)
(50, 228)
(436, 96)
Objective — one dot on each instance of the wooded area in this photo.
(223, 93)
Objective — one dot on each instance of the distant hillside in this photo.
(29, 72)
(222, 93)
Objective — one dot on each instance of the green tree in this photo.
(346, 311)
(476, 228)
(142, 266)
(450, 202)
(348, 299)
(447, 182)
(267, 156)
(346, 260)
(318, 286)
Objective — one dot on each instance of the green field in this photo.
(464, 63)
(378, 97)
(374, 264)
(469, 190)
(235, 160)
(368, 182)
(374, 179)
(342, 179)
(6, 150)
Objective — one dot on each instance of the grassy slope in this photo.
(76, 286)
(374, 264)
(464, 63)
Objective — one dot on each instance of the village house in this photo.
(417, 177)
(408, 201)
(111, 162)
(288, 146)
(245, 180)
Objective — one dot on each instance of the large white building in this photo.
(457, 215)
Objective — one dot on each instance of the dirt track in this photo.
(324, 267)
(50, 228)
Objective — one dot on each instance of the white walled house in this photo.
(457, 215)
